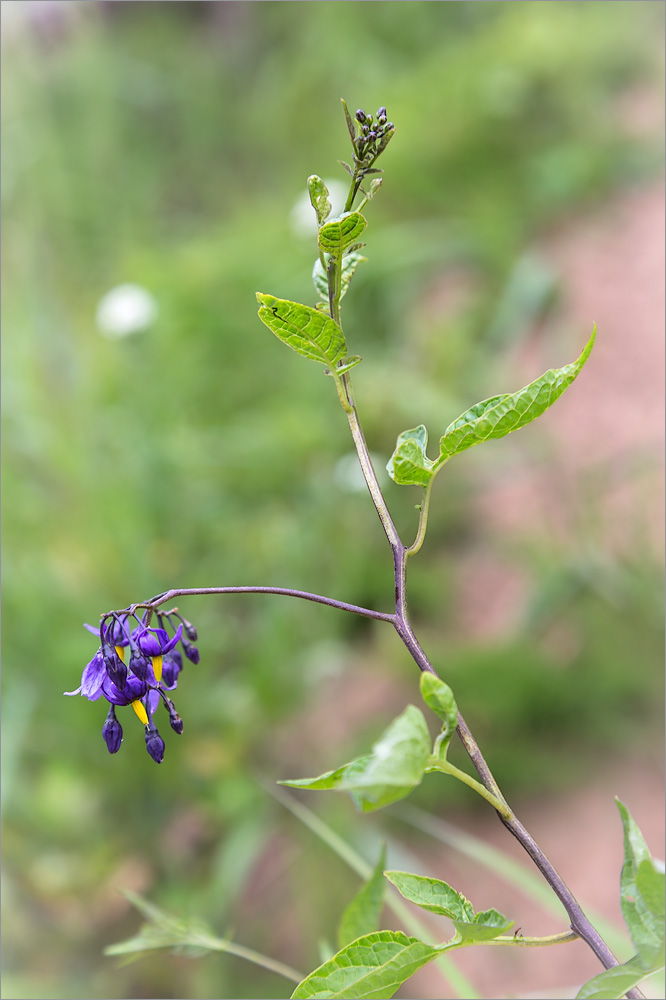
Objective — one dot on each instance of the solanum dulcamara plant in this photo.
(139, 662)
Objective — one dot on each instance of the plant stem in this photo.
(423, 521)
(498, 804)
(580, 925)
(249, 954)
(534, 942)
(171, 595)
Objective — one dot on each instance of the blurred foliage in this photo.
(164, 145)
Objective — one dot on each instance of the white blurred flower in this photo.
(126, 309)
(302, 217)
(348, 475)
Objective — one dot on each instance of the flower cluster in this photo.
(141, 681)
(374, 134)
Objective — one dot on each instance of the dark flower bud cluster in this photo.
(374, 134)
(142, 679)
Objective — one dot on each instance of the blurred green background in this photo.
(166, 145)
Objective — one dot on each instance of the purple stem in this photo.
(171, 595)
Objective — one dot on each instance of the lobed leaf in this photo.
(362, 914)
(433, 895)
(305, 330)
(485, 926)
(500, 415)
(319, 198)
(409, 465)
(373, 967)
(337, 235)
(641, 893)
(349, 264)
(395, 766)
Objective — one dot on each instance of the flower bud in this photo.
(190, 630)
(112, 732)
(115, 667)
(191, 652)
(360, 115)
(176, 721)
(381, 112)
(138, 664)
(154, 744)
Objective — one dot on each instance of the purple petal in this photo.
(153, 701)
(93, 675)
(174, 641)
(134, 688)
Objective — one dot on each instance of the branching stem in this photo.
(580, 925)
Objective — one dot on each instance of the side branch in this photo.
(171, 595)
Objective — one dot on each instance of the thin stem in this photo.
(518, 941)
(423, 521)
(497, 803)
(369, 473)
(250, 955)
(171, 595)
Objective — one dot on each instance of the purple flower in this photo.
(153, 669)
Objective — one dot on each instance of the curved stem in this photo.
(423, 521)
(171, 595)
(250, 955)
(498, 804)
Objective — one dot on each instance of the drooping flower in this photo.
(153, 669)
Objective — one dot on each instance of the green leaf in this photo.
(374, 966)
(485, 926)
(351, 125)
(349, 265)
(439, 897)
(641, 893)
(362, 915)
(433, 895)
(348, 363)
(409, 465)
(395, 766)
(320, 198)
(439, 697)
(614, 983)
(337, 235)
(305, 330)
(500, 415)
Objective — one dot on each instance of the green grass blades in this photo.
(361, 915)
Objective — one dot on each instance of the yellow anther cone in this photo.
(140, 710)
